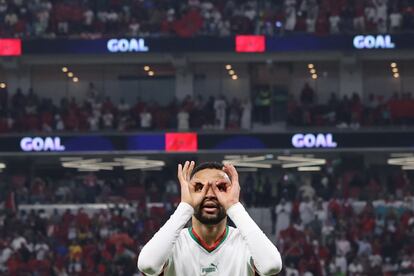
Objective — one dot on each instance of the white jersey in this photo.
(178, 251)
(190, 258)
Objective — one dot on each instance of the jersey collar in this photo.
(203, 244)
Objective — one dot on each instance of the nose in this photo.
(210, 192)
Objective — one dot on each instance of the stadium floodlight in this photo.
(151, 73)
(395, 70)
(258, 162)
(70, 74)
(75, 79)
(312, 71)
(402, 154)
(234, 77)
(65, 69)
(146, 68)
(396, 75)
(247, 169)
(311, 66)
(314, 76)
(309, 169)
(300, 161)
(228, 67)
(231, 72)
(140, 163)
(3, 85)
(393, 64)
(90, 164)
(401, 161)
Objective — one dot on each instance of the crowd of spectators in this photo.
(26, 112)
(341, 221)
(350, 112)
(352, 223)
(94, 19)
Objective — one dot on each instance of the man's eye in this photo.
(222, 187)
(198, 186)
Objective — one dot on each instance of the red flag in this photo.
(250, 43)
(10, 47)
(181, 142)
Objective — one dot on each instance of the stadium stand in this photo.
(94, 19)
(338, 222)
(26, 112)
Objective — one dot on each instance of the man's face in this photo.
(210, 211)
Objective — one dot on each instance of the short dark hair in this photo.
(206, 165)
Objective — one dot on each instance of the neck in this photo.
(209, 233)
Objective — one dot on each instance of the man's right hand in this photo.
(188, 193)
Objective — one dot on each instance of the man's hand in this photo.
(229, 195)
(188, 193)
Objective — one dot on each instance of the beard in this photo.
(209, 218)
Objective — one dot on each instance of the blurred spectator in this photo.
(183, 119)
(146, 119)
(220, 112)
(263, 103)
(246, 117)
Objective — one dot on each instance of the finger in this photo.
(231, 170)
(190, 169)
(185, 168)
(216, 191)
(180, 173)
(204, 190)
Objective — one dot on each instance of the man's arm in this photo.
(154, 255)
(266, 257)
(156, 252)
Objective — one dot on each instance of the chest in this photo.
(189, 258)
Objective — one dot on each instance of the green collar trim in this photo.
(190, 231)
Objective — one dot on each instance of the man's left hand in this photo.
(229, 195)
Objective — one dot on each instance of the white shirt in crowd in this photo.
(88, 17)
(17, 243)
(146, 119)
(220, 109)
(246, 118)
(341, 263)
(93, 122)
(283, 212)
(183, 119)
(108, 120)
(355, 268)
(307, 212)
(334, 23)
(342, 247)
(395, 20)
(123, 107)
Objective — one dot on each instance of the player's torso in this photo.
(230, 258)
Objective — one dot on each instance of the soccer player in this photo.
(209, 193)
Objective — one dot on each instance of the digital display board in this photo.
(193, 142)
(231, 44)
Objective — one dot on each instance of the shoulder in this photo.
(234, 235)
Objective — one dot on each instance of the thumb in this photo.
(216, 191)
(204, 190)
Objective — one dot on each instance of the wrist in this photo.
(231, 204)
(186, 205)
(235, 209)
